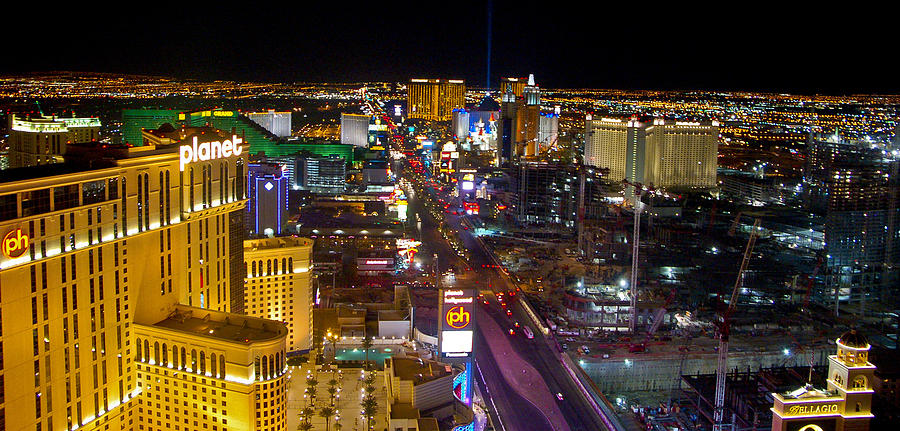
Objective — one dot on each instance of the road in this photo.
(516, 406)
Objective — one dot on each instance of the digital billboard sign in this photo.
(457, 313)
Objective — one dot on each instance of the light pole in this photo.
(332, 338)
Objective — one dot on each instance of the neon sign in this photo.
(15, 244)
(205, 151)
(812, 409)
(457, 317)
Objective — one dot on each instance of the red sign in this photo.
(15, 244)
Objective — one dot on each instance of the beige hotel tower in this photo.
(120, 278)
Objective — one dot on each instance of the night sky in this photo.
(763, 46)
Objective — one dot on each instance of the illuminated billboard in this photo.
(457, 313)
(372, 265)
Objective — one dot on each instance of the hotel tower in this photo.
(120, 274)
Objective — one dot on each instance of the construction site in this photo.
(676, 312)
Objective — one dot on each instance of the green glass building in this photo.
(133, 120)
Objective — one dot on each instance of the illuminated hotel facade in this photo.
(663, 153)
(43, 140)
(105, 251)
(844, 405)
(435, 99)
(278, 285)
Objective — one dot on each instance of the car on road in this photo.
(512, 331)
(528, 332)
(559, 396)
(509, 313)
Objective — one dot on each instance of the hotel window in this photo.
(65, 197)
(162, 205)
(168, 198)
(36, 202)
(140, 202)
(8, 207)
(93, 192)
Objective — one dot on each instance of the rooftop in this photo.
(419, 370)
(277, 242)
(224, 326)
(403, 411)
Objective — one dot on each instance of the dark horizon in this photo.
(779, 49)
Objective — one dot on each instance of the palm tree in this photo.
(327, 413)
(366, 345)
(370, 379)
(332, 388)
(369, 407)
(305, 415)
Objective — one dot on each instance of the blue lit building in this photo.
(267, 205)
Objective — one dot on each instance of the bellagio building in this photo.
(675, 155)
(278, 285)
(435, 99)
(119, 272)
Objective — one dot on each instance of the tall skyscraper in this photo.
(355, 130)
(507, 127)
(528, 119)
(615, 144)
(435, 99)
(278, 285)
(267, 203)
(681, 154)
(519, 118)
(854, 185)
(668, 154)
(44, 140)
(516, 85)
(118, 288)
(279, 123)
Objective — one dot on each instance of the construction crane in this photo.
(723, 326)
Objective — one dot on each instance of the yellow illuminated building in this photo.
(516, 85)
(43, 140)
(206, 369)
(663, 153)
(98, 254)
(846, 403)
(435, 99)
(278, 285)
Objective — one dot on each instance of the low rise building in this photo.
(417, 387)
